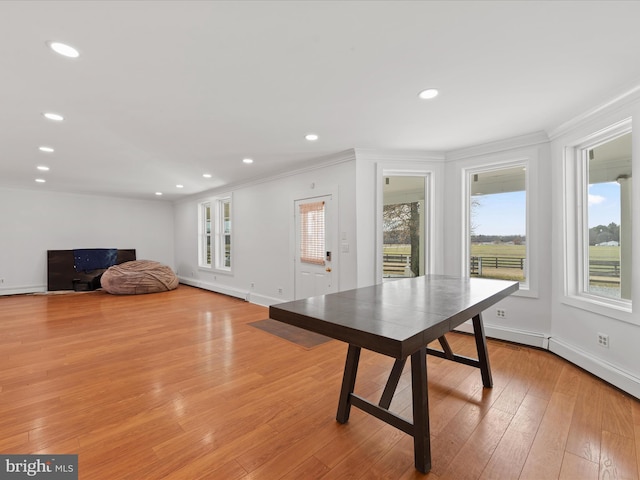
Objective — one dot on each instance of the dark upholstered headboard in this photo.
(62, 273)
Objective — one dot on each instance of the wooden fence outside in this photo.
(396, 263)
(478, 263)
(604, 268)
(597, 268)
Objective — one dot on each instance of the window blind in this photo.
(312, 233)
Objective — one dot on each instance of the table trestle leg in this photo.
(421, 435)
(482, 362)
(483, 355)
(392, 383)
(348, 383)
(446, 348)
(419, 428)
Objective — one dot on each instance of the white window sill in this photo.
(214, 270)
(617, 309)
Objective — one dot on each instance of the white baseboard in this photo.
(23, 289)
(616, 376)
(215, 287)
(264, 300)
(612, 374)
(524, 337)
(261, 300)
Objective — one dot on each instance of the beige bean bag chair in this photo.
(139, 276)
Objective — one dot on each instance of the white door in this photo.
(314, 258)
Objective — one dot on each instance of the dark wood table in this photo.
(399, 319)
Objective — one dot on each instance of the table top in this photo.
(395, 318)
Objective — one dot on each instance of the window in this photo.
(215, 234)
(205, 235)
(598, 172)
(497, 222)
(403, 226)
(408, 240)
(223, 234)
(312, 234)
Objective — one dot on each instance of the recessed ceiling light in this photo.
(40, 180)
(206, 175)
(64, 49)
(46, 149)
(179, 186)
(53, 116)
(247, 160)
(428, 94)
(312, 137)
(158, 193)
(43, 168)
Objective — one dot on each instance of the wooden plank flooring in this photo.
(178, 385)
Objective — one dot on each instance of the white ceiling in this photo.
(165, 91)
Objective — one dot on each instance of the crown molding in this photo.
(399, 155)
(309, 166)
(521, 141)
(628, 97)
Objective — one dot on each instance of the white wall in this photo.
(34, 221)
(574, 330)
(262, 232)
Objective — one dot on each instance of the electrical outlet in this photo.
(253, 285)
(1, 280)
(280, 290)
(501, 313)
(603, 340)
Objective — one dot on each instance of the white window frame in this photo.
(528, 287)
(223, 230)
(214, 259)
(576, 231)
(204, 233)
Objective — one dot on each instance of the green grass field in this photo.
(604, 253)
(494, 250)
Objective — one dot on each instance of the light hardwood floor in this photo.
(178, 385)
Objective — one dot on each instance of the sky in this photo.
(499, 214)
(604, 204)
(504, 213)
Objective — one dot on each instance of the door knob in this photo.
(328, 269)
